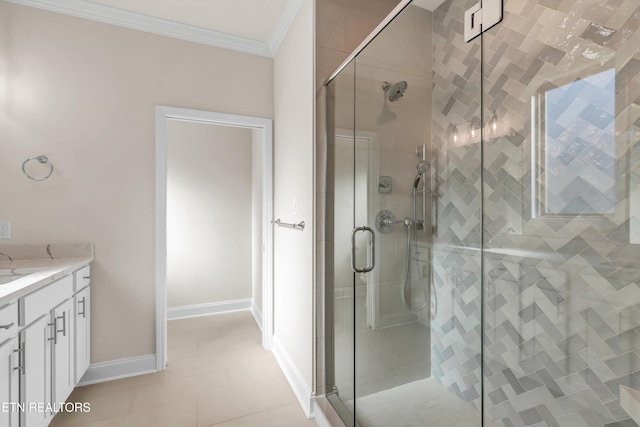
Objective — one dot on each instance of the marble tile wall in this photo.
(561, 267)
(456, 321)
(561, 314)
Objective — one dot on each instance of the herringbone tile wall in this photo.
(562, 304)
(456, 94)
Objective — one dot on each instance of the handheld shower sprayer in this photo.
(422, 167)
(413, 225)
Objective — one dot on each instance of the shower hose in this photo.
(412, 236)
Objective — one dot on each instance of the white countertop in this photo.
(44, 272)
(29, 267)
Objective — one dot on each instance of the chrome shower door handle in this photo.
(353, 250)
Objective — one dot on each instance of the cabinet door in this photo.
(63, 352)
(35, 389)
(10, 359)
(83, 330)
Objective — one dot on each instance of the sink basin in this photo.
(9, 275)
(26, 270)
(8, 278)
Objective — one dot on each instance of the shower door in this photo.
(402, 297)
(352, 263)
(392, 312)
(339, 277)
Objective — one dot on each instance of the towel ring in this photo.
(42, 159)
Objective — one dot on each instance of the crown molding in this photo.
(284, 23)
(163, 27)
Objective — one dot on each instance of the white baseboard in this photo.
(257, 314)
(140, 365)
(118, 369)
(295, 378)
(209, 308)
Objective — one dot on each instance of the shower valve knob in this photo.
(384, 221)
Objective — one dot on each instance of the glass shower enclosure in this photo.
(482, 263)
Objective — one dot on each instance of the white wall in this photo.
(209, 214)
(84, 93)
(293, 176)
(256, 219)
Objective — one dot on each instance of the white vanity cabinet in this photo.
(35, 382)
(44, 350)
(10, 360)
(82, 303)
(43, 343)
(63, 352)
(8, 321)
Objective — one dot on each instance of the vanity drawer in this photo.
(40, 302)
(8, 321)
(82, 278)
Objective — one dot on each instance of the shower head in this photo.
(422, 167)
(396, 90)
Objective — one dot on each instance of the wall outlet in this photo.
(294, 208)
(5, 230)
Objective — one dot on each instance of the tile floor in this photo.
(218, 375)
(419, 403)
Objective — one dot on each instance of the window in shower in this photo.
(574, 147)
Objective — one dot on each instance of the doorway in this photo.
(176, 121)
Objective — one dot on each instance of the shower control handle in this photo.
(353, 249)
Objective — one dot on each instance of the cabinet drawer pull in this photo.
(86, 277)
(54, 338)
(55, 327)
(20, 351)
(20, 366)
(83, 313)
(9, 326)
(64, 324)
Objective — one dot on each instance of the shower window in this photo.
(575, 151)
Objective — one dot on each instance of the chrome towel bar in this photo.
(299, 225)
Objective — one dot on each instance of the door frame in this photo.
(163, 113)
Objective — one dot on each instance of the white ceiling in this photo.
(252, 26)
